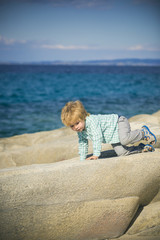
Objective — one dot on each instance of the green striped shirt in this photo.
(99, 129)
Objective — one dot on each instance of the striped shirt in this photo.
(99, 129)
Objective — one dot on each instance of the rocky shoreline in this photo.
(48, 194)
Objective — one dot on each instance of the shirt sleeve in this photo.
(96, 133)
(83, 147)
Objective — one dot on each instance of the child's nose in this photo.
(74, 128)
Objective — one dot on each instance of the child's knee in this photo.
(119, 149)
(124, 141)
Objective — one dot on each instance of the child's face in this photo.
(78, 126)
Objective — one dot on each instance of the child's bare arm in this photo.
(83, 147)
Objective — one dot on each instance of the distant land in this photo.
(115, 62)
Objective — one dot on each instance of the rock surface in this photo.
(111, 198)
(78, 200)
(147, 224)
(42, 147)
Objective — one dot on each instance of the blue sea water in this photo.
(31, 96)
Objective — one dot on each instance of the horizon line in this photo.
(116, 61)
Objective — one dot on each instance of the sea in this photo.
(32, 96)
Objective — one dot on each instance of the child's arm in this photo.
(83, 147)
(96, 150)
(96, 138)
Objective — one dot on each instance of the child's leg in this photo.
(124, 150)
(126, 135)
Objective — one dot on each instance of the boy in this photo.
(109, 128)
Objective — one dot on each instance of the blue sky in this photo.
(68, 30)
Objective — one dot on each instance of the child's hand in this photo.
(92, 158)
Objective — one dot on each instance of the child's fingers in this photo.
(92, 158)
(89, 158)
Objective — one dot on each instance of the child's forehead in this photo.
(75, 121)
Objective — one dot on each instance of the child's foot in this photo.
(148, 148)
(148, 135)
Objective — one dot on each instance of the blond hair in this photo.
(73, 112)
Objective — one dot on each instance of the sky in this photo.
(78, 30)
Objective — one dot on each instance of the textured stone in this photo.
(73, 220)
(135, 237)
(65, 200)
(42, 147)
(148, 222)
(96, 198)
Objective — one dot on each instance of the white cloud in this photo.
(140, 48)
(136, 48)
(10, 41)
(70, 47)
(6, 41)
(37, 44)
